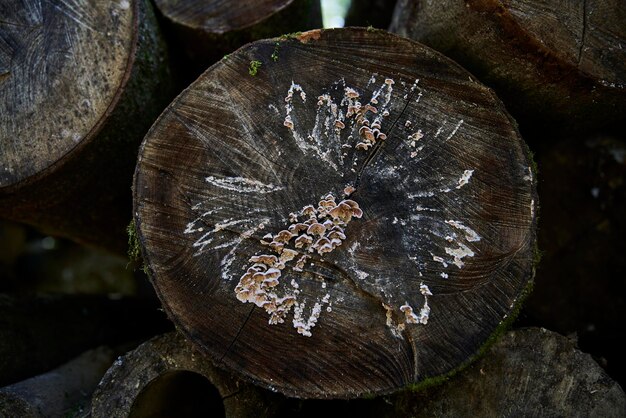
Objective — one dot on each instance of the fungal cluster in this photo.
(321, 231)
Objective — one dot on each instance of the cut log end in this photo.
(558, 66)
(61, 69)
(344, 230)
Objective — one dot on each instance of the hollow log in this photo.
(207, 30)
(61, 392)
(166, 376)
(38, 334)
(349, 229)
(556, 65)
(80, 85)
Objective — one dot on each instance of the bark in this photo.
(79, 88)
(207, 30)
(341, 204)
(61, 392)
(166, 376)
(556, 65)
(38, 334)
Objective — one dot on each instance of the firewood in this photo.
(557, 66)
(353, 218)
(167, 376)
(207, 30)
(80, 84)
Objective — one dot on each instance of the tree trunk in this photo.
(79, 87)
(38, 334)
(300, 224)
(166, 376)
(207, 30)
(556, 65)
(62, 392)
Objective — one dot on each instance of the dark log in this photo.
(38, 334)
(528, 373)
(80, 85)
(340, 193)
(207, 30)
(580, 282)
(166, 376)
(556, 65)
(374, 13)
(62, 392)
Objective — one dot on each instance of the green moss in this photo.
(134, 252)
(274, 55)
(254, 67)
(293, 35)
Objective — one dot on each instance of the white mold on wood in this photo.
(242, 185)
(321, 231)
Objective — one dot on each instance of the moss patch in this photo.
(134, 252)
(254, 67)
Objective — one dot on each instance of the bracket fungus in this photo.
(319, 267)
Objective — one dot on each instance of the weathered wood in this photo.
(207, 30)
(374, 13)
(528, 373)
(80, 85)
(61, 392)
(38, 334)
(556, 65)
(166, 376)
(341, 203)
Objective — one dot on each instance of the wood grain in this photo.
(558, 66)
(208, 30)
(81, 84)
(406, 287)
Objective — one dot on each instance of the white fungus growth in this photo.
(321, 232)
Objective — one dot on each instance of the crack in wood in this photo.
(380, 144)
(584, 33)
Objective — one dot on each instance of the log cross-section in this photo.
(357, 216)
(80, 84)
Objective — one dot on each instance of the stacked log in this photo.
(558, 66)
(346, 230)
(79, 87)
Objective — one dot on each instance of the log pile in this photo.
(334, 220)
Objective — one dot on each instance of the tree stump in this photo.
(79, 87)
(207, 30)
(357, 216)
(166, 376)
(556, 65)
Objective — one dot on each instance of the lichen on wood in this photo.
(371, 218)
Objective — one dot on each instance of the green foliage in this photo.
(254, 67)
